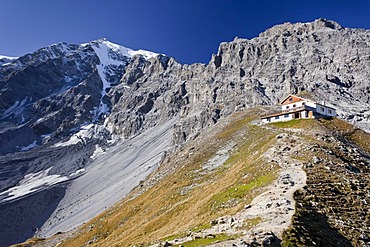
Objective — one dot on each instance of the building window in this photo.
(303, 103)
(268, 119)
(277, 117)
(322, 109)
(290, 99)
(287, 107)
(286, 115)
(329, 111)
(293, 105)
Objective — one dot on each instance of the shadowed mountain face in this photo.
(22, 218)
(76, 101)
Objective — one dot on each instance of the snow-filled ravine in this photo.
(112, 55)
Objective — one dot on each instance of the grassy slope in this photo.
(190, 197)
(330, 210)
(187, 199)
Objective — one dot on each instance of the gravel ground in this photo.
(108, 179)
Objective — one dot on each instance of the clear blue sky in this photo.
(189, 30)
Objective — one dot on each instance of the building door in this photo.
(296, 115)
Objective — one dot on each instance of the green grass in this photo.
(201, 227)
(248, 224)
(247, 157)
(240, 191)
(183, 234)
(206, 241)
(173, 237)
(295, 123)
(255, 139)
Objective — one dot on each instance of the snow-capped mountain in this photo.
(58, 88)
(6, 59)
(113, 58)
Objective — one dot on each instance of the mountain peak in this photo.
(101, 40)
(104, 44)
(287, 28)
(325, 23)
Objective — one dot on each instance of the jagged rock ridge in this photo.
(321, 58)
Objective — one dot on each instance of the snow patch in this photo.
(45, 138)
(76, 173)
(145, 54)
(32, 145)
(15, 109)
(31, 183)
(86, 132)
(104, 48)
(97, 152)
(111, 54)
(8, 57)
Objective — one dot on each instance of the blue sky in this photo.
(189, 30)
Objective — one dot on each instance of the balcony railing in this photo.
(287, 111)
(295, 109)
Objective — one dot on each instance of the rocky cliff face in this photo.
(322, 58)
(53, 91)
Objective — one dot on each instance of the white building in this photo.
(294, 107)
